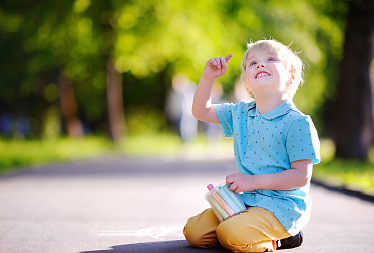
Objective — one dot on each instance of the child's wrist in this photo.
(254, 182)
(205, 78)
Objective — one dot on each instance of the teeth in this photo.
(262, 74)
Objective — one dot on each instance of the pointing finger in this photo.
(228, 57)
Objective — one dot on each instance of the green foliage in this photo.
(145, 121)
(152, 41)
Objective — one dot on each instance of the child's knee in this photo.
(228, 236)
(193, 237)
(199, 237)
(199, 232)
(232, 238)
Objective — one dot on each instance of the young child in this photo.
(275, 148)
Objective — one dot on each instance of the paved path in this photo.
(117, 204)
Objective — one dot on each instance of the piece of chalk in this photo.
(217, 209)
(210, 187)
(222, 203)
(235, 196)
(229, 199)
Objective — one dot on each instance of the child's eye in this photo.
(272, 59)
(252, 63)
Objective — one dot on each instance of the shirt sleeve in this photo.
(302, 141)
(224, 114)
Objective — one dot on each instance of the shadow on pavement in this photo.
(180, 246)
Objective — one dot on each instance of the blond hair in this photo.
(289, 58)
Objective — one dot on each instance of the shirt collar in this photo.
(280, 110)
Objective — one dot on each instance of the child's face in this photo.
(265, 73)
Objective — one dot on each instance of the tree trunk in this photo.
(354, 112)
(115, 103)
(69, 107)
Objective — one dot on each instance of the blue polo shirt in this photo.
(269, 143)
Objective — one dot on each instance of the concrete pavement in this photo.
(122, 204)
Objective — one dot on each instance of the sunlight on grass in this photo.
(18, 153)
(171, 145)
(353, 174)
(160, 144)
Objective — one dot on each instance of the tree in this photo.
(116, 112)
(133, 48)
(354, 109)
(103, 14)
(69, 108)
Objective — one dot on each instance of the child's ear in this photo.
(292, 76)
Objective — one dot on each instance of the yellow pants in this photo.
(255, 230)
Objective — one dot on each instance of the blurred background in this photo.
(83, 77)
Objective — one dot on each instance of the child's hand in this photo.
(216, 67)
(240, 182)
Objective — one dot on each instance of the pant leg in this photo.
(200, 230)
(255, 230)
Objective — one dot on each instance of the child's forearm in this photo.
(282, 181)
(202, 108)
(298, 176)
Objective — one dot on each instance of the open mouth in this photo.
(261, 74)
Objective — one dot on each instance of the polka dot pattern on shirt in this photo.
(269, 143)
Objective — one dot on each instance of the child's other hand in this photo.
(216, 67)
(240, 182)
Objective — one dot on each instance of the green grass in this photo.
(356, 175)
(168, 144)
(151, 144)
(17, 154)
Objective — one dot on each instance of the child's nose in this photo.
(260, 65)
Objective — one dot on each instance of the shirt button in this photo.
(258, 118)
(250, 147)
(253, 132)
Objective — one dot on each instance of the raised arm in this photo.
(202, 108)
